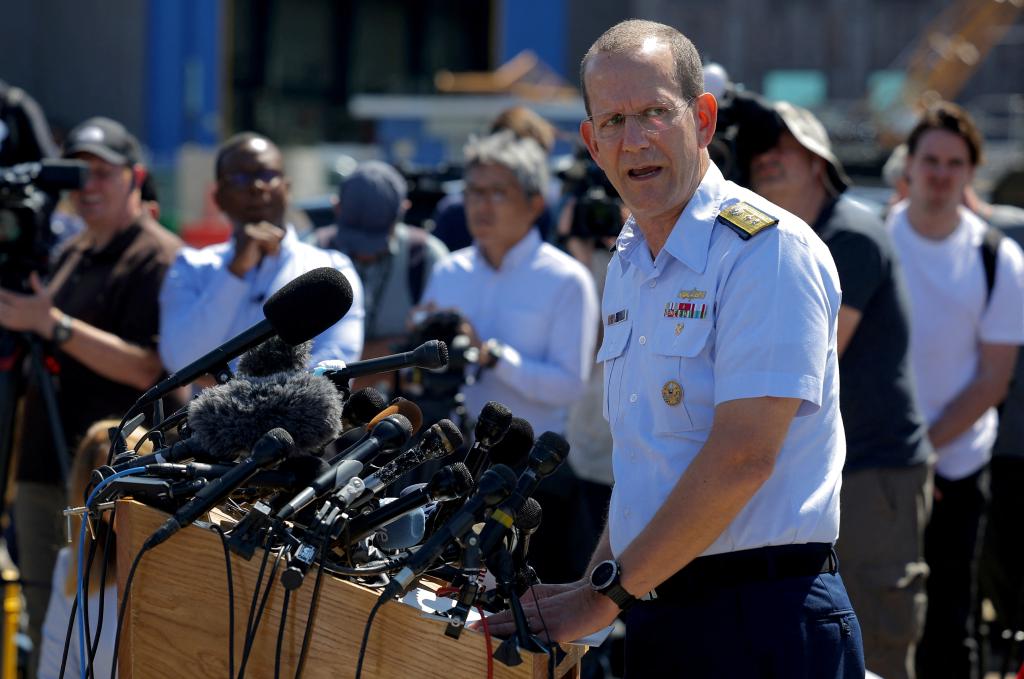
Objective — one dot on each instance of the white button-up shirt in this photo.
(202, 304)
(712, 319)
(542, 305)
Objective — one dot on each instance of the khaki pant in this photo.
(881, 557)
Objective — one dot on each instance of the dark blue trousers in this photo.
(792, 628)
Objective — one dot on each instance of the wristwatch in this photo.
(62, 331)
(606, 579)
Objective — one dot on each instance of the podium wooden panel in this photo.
(176, 624)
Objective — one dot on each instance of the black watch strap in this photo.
(606, 579)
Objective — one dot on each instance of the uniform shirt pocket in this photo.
(683, 373)
(616, 338)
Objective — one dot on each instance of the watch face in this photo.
(603, 574)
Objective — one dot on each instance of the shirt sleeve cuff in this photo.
(807, 388)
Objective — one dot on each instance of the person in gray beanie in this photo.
(393, 259)
(887, 448)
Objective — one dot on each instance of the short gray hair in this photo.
(629, 35)
(523, 157)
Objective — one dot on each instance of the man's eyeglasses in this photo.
(652, 120)
(243, 180)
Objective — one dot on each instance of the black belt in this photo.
(748, 566)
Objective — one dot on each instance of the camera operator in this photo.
(887, 447)
(99, 313)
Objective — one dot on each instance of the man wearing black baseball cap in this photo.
(98, 313)
(886, 478)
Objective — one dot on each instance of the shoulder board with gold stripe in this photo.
(746, 220)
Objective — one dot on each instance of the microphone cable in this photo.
(280, 633)
(366, 635)
(250, 637)
(79, 593)
(107, 544)
(552, 653)
(311, 613)
(231, 600)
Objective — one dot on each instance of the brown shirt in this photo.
(115, 289)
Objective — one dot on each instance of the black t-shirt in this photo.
(115, 289)
(884, 427)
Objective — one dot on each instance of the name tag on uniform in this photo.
(618, 317)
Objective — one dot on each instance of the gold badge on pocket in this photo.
(672, 393)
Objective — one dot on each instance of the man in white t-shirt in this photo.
(967, 320)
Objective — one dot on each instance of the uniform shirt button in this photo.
(626, 512)
(643, 339)
(652, 283)
(633, 398)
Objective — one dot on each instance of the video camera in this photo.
(597, 212)
(28, 194)
(439, 392)
(747, 126)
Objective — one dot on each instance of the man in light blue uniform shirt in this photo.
(721, 381)
(212, 294)
(532, 308)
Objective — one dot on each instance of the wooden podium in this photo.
(176, 624)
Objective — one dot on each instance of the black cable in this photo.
(85, 604)
(280, 633)
(107, 543)
(67, 637)
(231, 601)
(547, 635)
(311, 614)
(251, 637)
(366, 634)
(124, 607)
(256, 588)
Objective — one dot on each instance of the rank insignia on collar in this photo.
(672, 393)
(685, 310)
(746, 220)
(618, 317)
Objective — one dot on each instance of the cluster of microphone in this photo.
(297, 465)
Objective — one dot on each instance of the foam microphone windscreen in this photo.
(514, 447)
(309, 304)
(230, 418)
(275, 356)
(363, 405)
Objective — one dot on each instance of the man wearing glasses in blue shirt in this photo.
(212, 294)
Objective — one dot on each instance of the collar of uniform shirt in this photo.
(690, 239)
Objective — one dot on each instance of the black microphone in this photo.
(494, 486)
(361, 407)
(176, 452)
(407, 409)
(229, 417)
(271, 478)
(527, 522)
(491, 427)
(547, 455)
(513, 449)
(432, 355)
(272, 447)
(439, 440)
(447, 483)
(390, 433)
(301, 310)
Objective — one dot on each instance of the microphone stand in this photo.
(500, 563)
(471, 574)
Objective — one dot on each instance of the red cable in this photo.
(445, 591)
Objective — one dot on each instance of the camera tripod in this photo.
(13, 380)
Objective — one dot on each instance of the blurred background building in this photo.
(408, 80)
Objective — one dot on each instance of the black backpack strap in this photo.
(990, 257)
(417, 272)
